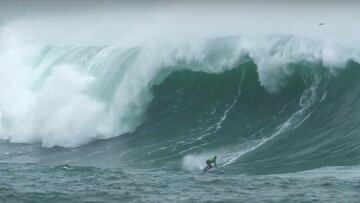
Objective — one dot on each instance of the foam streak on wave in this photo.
(293, 122)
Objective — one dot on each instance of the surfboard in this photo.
(214, 170)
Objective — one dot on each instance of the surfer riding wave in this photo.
(209, 163)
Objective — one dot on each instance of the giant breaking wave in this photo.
(226, 95)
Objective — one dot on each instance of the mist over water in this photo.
(129, 99)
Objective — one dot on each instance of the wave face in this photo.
(265, 101)
(312, 122)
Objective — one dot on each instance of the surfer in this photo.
(209, 162)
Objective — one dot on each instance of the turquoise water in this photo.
(115, 124)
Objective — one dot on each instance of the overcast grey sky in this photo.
(68, 22)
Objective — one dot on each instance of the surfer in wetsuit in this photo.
(209, 162)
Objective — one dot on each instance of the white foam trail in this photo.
(227, 110)
(218, 125)
(195, 162)
(308, 98)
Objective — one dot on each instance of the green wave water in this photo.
(133, 125)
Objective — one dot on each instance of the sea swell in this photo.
(271, 101)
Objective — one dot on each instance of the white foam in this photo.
(195, 162)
